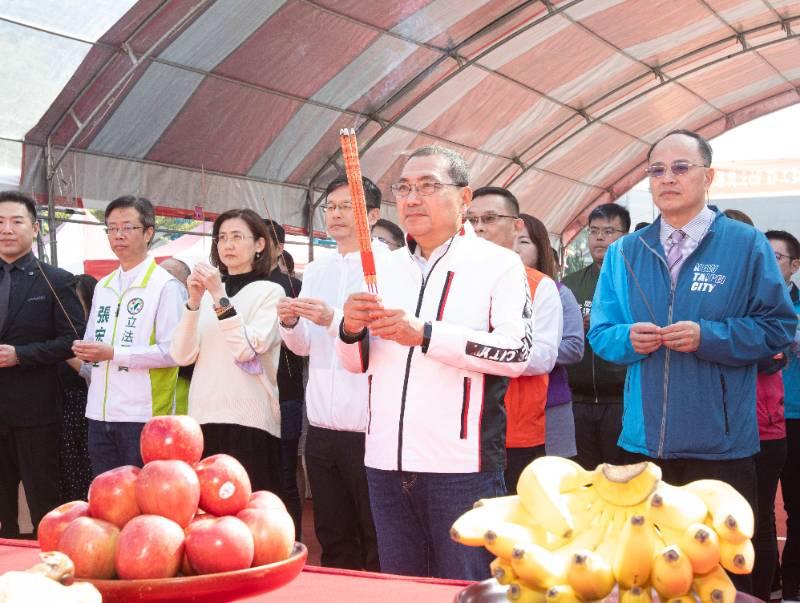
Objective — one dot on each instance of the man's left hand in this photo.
(92, 351)
(683, 336)
(398, 326)
(8, 356)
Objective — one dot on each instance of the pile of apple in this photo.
(176, 515)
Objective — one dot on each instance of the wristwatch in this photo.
(222, 305)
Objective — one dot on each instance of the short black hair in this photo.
(702, 144)
(792, 244)
(511, 200)
(609, 211)
(640, 225)
(739, 216)
(372, 194)
(394, 229)
(276, 230)
(147, 214)
(22, 199)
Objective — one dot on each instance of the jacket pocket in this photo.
(724, 403)
(369, 403)
(465, 407)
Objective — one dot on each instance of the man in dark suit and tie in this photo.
(40, 316)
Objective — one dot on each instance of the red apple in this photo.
(273, 534)
(92, 545)
(169, 489)
(186, 567)
(112, 495)
(264, 499)
(150, 546)
(56, 521)
(173, 437)
(224, 485)
(224, 544)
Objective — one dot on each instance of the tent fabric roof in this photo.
(232, 103)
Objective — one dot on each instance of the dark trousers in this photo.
(769, 463)
(516, 460)
(790, 488)
(114, 444)
(258, 451)
(340, 496)
(30, 455)
(414, 513)
(597, 429)
(739, 473)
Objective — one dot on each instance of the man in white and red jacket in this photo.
(452, 323)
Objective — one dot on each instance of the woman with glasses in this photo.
(229, 329)
(533, 246)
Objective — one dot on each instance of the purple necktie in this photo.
(675, 253)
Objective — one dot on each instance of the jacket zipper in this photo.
(425, 280)
(108, 362)
(725, 403)
(662, 434)
(465, 408)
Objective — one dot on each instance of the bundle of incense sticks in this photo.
(347, 137)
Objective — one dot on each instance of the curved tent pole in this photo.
(122, 80)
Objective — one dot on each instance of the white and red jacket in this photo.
(441, 411)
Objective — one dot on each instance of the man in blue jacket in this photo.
(690, 304)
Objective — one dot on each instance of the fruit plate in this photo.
(489, 591)
(225, 586)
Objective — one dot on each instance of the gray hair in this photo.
(457, 167)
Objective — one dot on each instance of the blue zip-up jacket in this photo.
(703, 404)
(791, 374)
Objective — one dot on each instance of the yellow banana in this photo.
(590, 576)
(537, 566)
(672, 573)
(520, 593)
(541, 487)
(591, 537)
(561, 593)
(676, 508)
(626, 485)
(634, 557)
(701, 545)
(502, 571)
(635, 594)
(731, 515)
(737, 558)
(470, 528)
(501, 537)
(715, 587)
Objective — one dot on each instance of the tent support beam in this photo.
(121, 82)
(51, 206)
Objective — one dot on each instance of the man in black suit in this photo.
(40, 316)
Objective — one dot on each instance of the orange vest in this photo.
(526, 398)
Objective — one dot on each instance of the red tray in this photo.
(211, 588)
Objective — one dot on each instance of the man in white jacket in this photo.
(336, 399)
(451, 324)
(135, 310)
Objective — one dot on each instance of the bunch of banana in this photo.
(573, 535)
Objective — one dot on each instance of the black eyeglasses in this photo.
(779, 256)
(606, 232)
(678, 168)
(488, 218)
(424, 189)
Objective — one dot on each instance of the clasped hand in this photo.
(365, 310)
(204, 278)
(682, 336)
